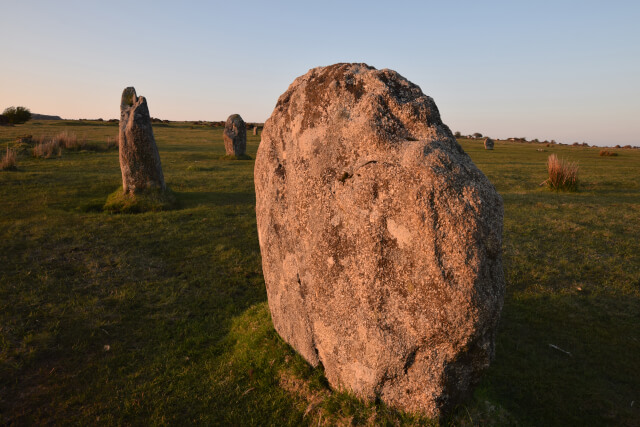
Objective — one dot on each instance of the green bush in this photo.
(17, 115)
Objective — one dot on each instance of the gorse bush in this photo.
(563, 175)
(9, 160)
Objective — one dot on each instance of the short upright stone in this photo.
(380, 239)
(139, 157)
(488, 144)
(255, 130)
(235, 136)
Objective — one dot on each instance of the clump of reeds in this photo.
(608, 153)
(46, 146)
(563, 175)
(9, 160)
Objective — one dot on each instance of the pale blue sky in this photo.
(563, 70)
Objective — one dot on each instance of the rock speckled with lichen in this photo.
(139, 157)
(380, 239)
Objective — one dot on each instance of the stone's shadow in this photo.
(196, 198)
(586, 367)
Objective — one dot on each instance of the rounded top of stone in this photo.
(381, 103)
(235, 118)
(128, 97)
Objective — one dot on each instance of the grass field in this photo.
(161, 317)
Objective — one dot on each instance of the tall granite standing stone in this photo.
(139, 157)
(235, 136)
(380, 239)
(488, 144)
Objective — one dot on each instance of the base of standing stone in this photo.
(152, 200)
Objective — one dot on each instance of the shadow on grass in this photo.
(197, 198)
(567, 360)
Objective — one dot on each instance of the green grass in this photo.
(161, 317)
(150, 200)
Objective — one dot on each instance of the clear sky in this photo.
(563, 70)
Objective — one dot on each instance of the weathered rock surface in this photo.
(488, 144)
(139, 157)
(235, 136)
(380, 239)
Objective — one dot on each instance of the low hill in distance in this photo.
(35, 116)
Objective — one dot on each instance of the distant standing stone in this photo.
(488, 144)
(139, 157)
(255, 130)
(235, 136)
(380, 239)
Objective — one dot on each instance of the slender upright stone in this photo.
(139, 157)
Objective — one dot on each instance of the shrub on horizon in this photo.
(17, 115)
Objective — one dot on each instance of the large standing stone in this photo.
(488, 144)
(380, 239)
(235, 136)
(139, 158)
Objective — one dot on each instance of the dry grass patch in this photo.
(47, 146)
(608, 153)
(9, 160)
(47, 149)
(563, 175)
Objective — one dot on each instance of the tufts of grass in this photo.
(47, 146)
(47, 149)
(608, 153)
(9, 161)
(151, 200)
(563, 175)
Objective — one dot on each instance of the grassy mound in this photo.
(141, 201)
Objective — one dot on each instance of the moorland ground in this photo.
(161, 317)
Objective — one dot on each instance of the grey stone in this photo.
(235, 136)
(380, 239)
(488, 144)
(139, 157)
(255, 130)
